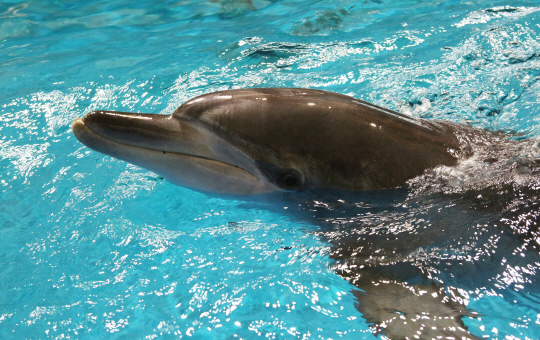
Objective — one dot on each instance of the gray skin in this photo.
(255, 141)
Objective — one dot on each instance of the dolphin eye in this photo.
(286, 179)
(289, 180)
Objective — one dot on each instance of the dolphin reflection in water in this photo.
(407, 204)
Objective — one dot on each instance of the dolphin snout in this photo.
(182, 151)
(128, 128)
(148, 131)
(151, 131)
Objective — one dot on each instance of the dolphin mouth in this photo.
(101, 143)
(148, 131)
(180, 151)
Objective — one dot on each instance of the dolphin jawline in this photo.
(166, 161)
(86, 136)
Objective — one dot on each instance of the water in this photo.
(94, 247)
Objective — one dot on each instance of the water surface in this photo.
(94, 247)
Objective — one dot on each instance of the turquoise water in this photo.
(93, 247)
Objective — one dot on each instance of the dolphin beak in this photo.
(182, 151)
(154, 132)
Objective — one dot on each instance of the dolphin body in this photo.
(255, 141)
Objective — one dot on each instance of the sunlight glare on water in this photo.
(94, 247)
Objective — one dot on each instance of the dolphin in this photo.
(264, 140)
(253, 141)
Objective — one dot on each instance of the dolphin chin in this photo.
(187, 161)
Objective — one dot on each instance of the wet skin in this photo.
(256, 141)
(262, 140)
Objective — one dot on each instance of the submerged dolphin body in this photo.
(261, 140)
(256, 141)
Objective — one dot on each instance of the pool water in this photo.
(93, 247)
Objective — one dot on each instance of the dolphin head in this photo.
(262, 140)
